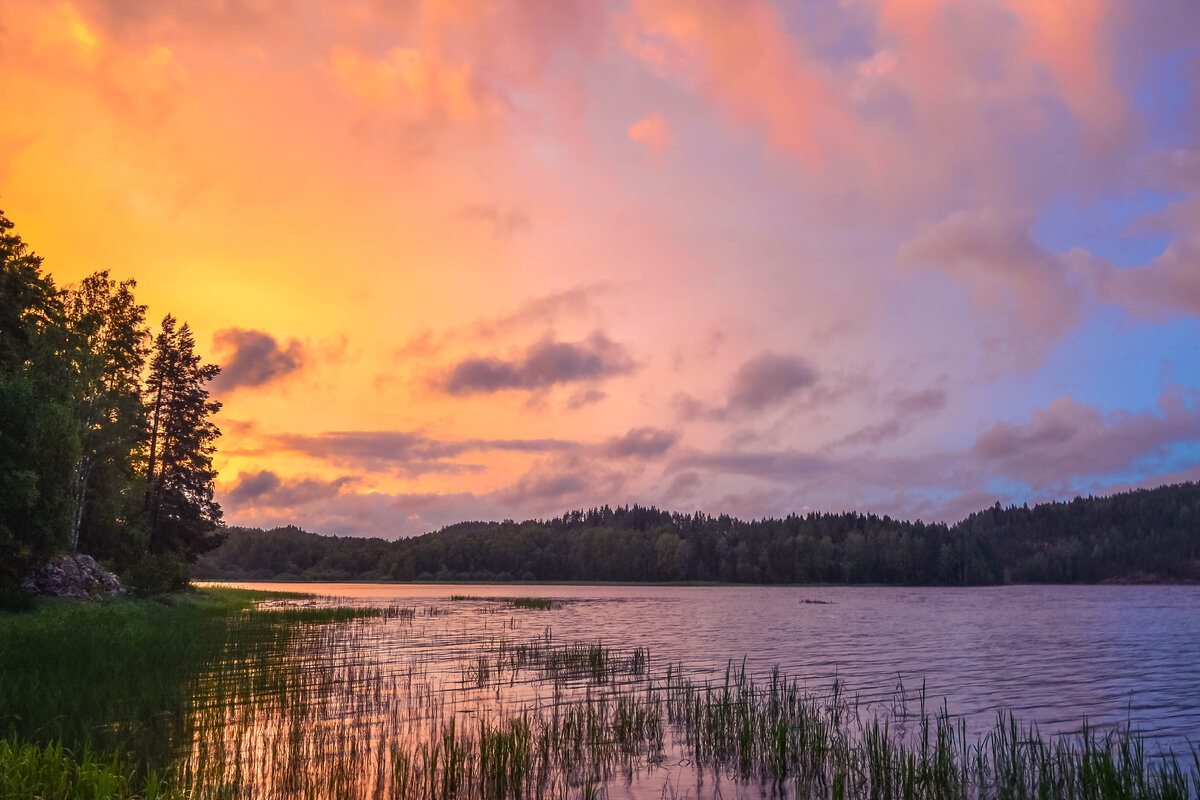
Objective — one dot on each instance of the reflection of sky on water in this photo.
(1052, 655)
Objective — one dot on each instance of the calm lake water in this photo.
(1052, 655)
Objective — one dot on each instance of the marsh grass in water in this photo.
(534, 718)
(113, 675)
(306, 700)
(105, 694)
(525, 603)
(534, 603)
(776, 737)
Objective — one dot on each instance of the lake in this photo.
(1052, 655)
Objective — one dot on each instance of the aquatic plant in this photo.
(530, 603)
(535, 603)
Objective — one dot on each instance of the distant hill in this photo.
(1149, 535)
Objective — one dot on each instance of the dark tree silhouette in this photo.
(1147, 535)
(184, 517)
(38, 445)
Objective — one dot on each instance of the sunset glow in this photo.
(482, 260)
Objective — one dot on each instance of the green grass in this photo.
(52, 772)
(114, 674)
(89, 689)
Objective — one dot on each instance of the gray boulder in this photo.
(78, 577)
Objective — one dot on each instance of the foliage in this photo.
(179, 499)
(624, 544)
(38, 445)
(109, 346)
(1137, 536)
(80, 466)
(1144, 535)
(154, 574)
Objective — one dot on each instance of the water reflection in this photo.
(358, 708)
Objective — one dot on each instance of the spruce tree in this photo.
(183, 515)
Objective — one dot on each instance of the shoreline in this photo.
(683, 584)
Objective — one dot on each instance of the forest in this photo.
(107, 437)
(1140, 536)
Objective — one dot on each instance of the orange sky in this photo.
(486, 260)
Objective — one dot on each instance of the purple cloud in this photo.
(1009, 276)
(407, 452)
(767, 380)
(544, 364)
(787, 465)
(645, 442)
(906, 409)
(267, 489)
(1070, 440)
(254, 358)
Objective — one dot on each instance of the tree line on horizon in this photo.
(1139, 536)
(106, 436)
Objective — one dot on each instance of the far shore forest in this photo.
(107, 445)
(1145, 536)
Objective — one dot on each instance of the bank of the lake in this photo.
(95, 698)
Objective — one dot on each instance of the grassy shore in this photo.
(95, 698)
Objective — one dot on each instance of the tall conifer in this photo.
(183, 514)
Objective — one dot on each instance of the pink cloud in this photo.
(651, 131)
(209, 133)
(1060, 448)
(1074, 43)
(1167, 286)
(949, 51)
(1009, 275)
(413, 84)
(742, 55)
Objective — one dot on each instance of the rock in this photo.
(78, 577)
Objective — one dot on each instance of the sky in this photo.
(483, 260)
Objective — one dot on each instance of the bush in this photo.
(157, 573)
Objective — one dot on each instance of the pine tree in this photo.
(183, 515)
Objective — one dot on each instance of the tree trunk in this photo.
(79, 493)
(156, 416)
